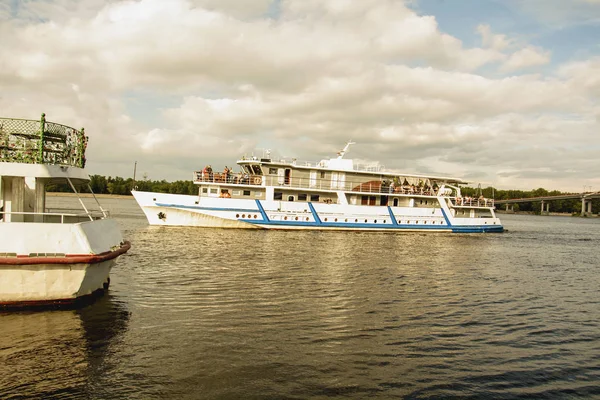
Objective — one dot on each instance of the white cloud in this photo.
(181, 83)
(495, 41)
(527, 57)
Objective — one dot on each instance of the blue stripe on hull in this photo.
(314, 213)
(262, 211)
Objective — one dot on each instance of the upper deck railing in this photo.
(320, 164)
(370, 187)
(41, 142)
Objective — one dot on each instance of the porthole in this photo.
(399, 221)
(255, 216)
(375, 221)
(384, 221)
(325, 219)
(425, 222)
(237, 215)
(307, 218)
(408, 222)
(243, 215)
(154, 199)
(346, 220)
(285, 218)
(356, 220)
(366, 221)
(296, 218)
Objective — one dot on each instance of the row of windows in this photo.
(275, 171)
(285, 218)
(301, 197)
(235, 192)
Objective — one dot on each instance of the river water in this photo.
(221, 314)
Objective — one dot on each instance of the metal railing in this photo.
(374, 187)
(41, 142)
(320, 164)
(471, 202)
(55, 217)
(307, 183)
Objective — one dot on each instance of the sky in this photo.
(497, 92)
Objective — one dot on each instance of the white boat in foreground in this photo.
(333, 194)
(49, 258)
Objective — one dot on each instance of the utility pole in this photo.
(134, 169)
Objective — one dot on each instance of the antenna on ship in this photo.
(345, 150)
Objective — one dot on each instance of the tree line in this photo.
(120, 186)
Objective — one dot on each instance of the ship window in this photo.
(364, 201)
(322, 174)
(272, 171)
(278, 196)
(236, 192)
(302, 197)
(204, 190)
(314, 197)
(246, 193)
(257, 194)
(213, 190)
(256, 169)
(290, 198)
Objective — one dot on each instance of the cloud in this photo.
(527, 57)
(174, 85)
(495, 41)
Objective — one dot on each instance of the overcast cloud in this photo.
(494, 92)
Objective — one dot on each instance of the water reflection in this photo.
(58, 353)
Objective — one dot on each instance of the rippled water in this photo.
(221, 314)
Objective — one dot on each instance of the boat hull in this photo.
(57, 264)
(185, 210)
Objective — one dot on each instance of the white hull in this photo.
(52, 282)
(47, 263)
(184, 210)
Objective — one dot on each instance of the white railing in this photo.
(374, 186)
(53, 217)
(471, 202)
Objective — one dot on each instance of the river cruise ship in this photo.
(49, 257)
(333, 194)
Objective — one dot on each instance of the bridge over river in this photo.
(585, 197)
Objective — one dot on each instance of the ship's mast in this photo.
(345, 150)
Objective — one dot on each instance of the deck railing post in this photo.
(40, 157)
(82, 146)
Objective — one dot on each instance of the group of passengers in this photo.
(396, 187)
(207, 175)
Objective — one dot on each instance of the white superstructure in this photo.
(331, 194)
(49, 258)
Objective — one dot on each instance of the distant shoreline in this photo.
(85, 195)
